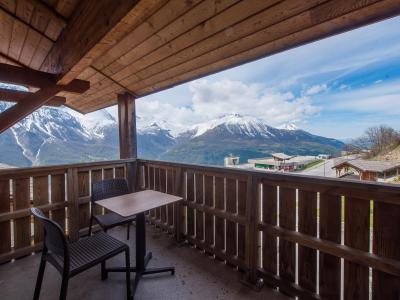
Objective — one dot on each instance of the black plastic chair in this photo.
(71, 259)
(106, 189)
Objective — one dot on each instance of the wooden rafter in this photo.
(82, 39)
(21, 96)
(30, 103)
(29, 77)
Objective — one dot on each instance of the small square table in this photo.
(137, 204)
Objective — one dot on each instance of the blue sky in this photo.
(336, 87)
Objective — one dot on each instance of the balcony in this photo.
(237, 234)
(234, 231)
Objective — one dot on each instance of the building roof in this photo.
(142, 47)
(378, 166)
(281, 156)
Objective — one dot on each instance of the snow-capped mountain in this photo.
(54, 136)
(288, 126)
(51, 136)
(235, 124)
(247, 137)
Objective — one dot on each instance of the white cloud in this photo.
(316, 89)
(376, 98)
(210, 100)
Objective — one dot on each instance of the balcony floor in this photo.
(196, 277)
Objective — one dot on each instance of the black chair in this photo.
(106, 189)
(71, 259)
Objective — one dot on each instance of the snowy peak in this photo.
(288, 126)
(235, 124)
(153, 129)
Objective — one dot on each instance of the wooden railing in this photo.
(311, 237)
(62, 192)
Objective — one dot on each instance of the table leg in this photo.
(142, 258)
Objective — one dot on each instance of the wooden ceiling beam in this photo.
(33, 101)
(9, 95)
(29, 77)
(93, 28)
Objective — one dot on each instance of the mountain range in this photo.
(54, 136)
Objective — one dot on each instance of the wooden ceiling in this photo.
(143, 47)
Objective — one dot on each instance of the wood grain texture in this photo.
(385, 244)
(40, 197)
(330, 229)
(231, 238)
(208, 218)
(5, 227)
(58, 195)
(219, 222)
(199, 177)
(96, 175)
(190, 197)
(242, 200)
(269, 216)
(307, 258)
(287, 220)
(356, 235)
(83, 191)
(163, 189)
(22, 226)
(170, 190)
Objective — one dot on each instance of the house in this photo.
(372, 170)
(282, 162)
(233, 226)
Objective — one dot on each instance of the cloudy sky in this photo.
(336, 87)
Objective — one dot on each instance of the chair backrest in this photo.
(54, 240)
(109, 188)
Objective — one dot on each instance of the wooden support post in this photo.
(127, 135)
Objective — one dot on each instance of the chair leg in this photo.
(39, 279)
(127, 231)
(64, 288)
(128, 274)
(90, 226)
(104, 273)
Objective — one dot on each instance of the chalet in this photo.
(372, 170)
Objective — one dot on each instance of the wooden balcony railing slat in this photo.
(22, 226)
(307, 257)
(269, 216)
(5, 226)
(356, 235)
(386, 240)
(330, 230)
(84, 190)
(230, 234)
(190, 198)
(199, 186)
(219, 222)
(209, 204)
(58, 195)
(40, 197)
(287, 219)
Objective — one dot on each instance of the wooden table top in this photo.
(134, 203)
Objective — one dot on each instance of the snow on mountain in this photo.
(235, 124)
(288, 126)
(95, 122)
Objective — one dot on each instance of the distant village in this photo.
(348, 166)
